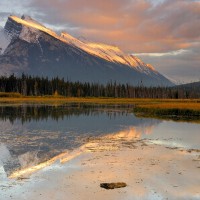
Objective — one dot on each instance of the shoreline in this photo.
(151, 171)
(183, 110)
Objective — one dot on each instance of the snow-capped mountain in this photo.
(28, 46)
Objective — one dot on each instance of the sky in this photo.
(164, 33)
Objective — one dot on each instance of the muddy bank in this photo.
(150, 171)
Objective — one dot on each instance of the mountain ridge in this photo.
(192, 85)
(109, 61)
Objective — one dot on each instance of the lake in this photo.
(34, 134)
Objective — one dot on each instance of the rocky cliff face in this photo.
(12, 28)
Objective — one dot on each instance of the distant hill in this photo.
(190, 86)
(189, 90)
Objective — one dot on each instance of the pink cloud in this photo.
(164, 27)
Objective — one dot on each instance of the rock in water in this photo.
(111, 186)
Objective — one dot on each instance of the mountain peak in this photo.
(31, 30)
(29, 22)
(107, 52)
(26, 17)
(64, 51)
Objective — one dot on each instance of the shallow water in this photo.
(31, 134)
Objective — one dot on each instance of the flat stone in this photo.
(111, 186)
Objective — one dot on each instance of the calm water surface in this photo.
(30, 134)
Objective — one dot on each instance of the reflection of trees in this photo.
(27, 113)
(36, 145)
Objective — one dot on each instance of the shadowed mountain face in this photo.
(33, 49)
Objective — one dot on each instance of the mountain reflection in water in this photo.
(35, 136)
(117, 139)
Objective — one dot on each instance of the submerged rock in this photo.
(109, 186)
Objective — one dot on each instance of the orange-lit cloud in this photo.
(168, 26)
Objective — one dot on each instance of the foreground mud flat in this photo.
(151, 171)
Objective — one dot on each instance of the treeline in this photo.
(41, 86)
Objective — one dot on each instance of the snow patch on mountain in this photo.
(109, 53)
(114, 54)
(4, 40)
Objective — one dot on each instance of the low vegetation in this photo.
(10, 95)
(182, 111)
(157, 108)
